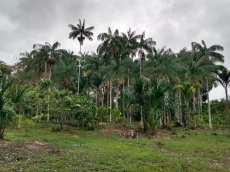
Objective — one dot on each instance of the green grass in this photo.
(81, 150)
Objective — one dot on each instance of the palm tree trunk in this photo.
(188, 115)
(209, 109)
(78, 79)
(45, 75)
(227, 108)
(96, 101)
(141, 116)
(194, 101)
(200, 101)
(180, 111)
(110, 101)
(117, 95)
(50, 72)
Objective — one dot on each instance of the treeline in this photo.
(127, 79)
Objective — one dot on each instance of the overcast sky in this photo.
(174, 23)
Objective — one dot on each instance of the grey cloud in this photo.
(174, 23)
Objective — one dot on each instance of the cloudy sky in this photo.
(174, 23)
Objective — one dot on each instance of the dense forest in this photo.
(126, 80)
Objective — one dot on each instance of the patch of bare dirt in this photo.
(36, 145)
(20, 151)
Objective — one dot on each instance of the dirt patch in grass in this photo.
(36, 145)
(12, 153)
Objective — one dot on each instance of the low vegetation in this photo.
(106, 150)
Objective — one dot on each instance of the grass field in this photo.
(103, 150)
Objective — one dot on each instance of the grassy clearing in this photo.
(81, 150)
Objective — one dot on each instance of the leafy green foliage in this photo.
(6, 111)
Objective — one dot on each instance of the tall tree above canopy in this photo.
(111, 42)
(80, 32)
(210, 52)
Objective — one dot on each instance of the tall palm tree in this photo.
(130, 39)
(111, 43)
(80, 32)
(92, 66)
(223, 77)
(211, 56)
(210, 53)
(143, 46)
(48, 53)
(161, 64)
(195, 71)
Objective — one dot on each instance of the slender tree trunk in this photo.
(103, 96)
(123, 92)
(78, 79)
(96, 101)
(209, 109)
(117, 95)
(177, 107)
(188, 115)
(130, 115)
(227, 108)
(108, 94)
(50, 72)
(48, 114)
(180, 111)
(141, 116)
(110, 101)
(200, 101)
(194, 101)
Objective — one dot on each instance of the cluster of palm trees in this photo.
(128, 72)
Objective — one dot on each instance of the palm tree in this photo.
(92, 66)
(130, 39)
(48, 53)
(138, 95)
(211, 56)
(64, 73)
(223, 77)
(195, 71)
(80, 32)
(26, 60)
(187, 91)
(210, 53)
(162, 100)
(161, 64)
(143, 46)
(111, 43)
